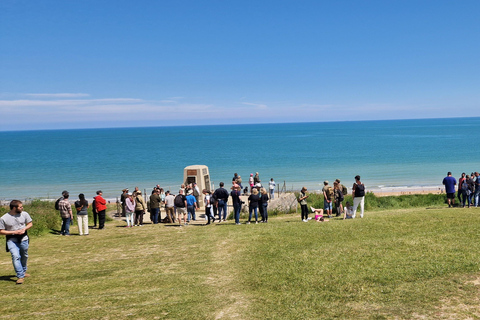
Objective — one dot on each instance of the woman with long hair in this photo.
(253, 205)
(82, 214)
(263, 204)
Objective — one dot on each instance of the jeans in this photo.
(358, 201)
(250, 214)
(191, 213)
(155, 212)
(138, 217)
(272, 193)
(265, 212)
(236, 211)
(209, 214)
(65, 226)
(129, 218)
(95, 217)
(477, 197)
(222, 205)
(19, 251)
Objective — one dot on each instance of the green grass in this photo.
(393, 264)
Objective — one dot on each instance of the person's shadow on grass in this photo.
(8, 278)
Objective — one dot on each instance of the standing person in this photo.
(253, 205)
(358, 195)
(263, 204)
(271, 186)
(169, 204)
(14, 226)
(342, 187)
(82, 214)
(237, 202)
(221, 196)
(66, 214)
(338, 197)
(140, 208)
(155, 201)
(450, 182)
(251, 182)
(191, 205)
(129, 209)
(123, 196)
(256, 179)
(460, 183)
(302, 199)
(101, 206)
(181, 205)
(94, 213)
(208, 206)
(239, 182)
(328, 195)
(468, 188)
(196, 193)
(477, 189)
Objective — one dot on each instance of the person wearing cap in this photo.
(328, 195)
(14, 226)
(101, 207)
(191, 205)
(66, 214)
(129, 209)
(302, 199)
(140, 208)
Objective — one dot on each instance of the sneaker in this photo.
(224, 220)
(20, 280)
(248, 222)
(309, 218)
(313, 209)
(256, 222)
(26, 275)
(238, 223)
(305, 220)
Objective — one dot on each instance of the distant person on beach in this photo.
(338, 198)
(155, 201)
(256, 178)
(251, 182)
(101, 207)
(221, 196)
(208, 212)
(253, 200)
(66, 214)
(169, 204)
(450, 182)
(477, 188)
(129, 209)
(358, 195)
(348, 211)
(263, 205)
(271, 187)
(140, 208)
(82, 214)
(328, 195)
(302, 199)
(181, 205)
(239, 182)
(14, 226)
(237, 202)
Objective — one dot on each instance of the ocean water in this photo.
(389, 155)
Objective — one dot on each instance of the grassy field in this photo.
(418, 263)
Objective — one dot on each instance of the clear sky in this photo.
(83, 64)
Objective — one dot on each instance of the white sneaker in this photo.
(313, 209)
(305, 220)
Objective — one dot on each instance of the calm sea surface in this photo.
(387, 154)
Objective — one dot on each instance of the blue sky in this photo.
(83, 64)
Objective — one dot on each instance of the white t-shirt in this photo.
(16, 222)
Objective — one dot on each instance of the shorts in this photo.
(327, 205)
(181, 210)
(451, 195)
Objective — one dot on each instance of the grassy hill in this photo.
(416, 263)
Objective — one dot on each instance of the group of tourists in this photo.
(335, 195)
(468, 192)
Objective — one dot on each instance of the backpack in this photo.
(330, 193)
(344, 190)
(360, 190)
(340, 195)
(57, 207)
(464, 185)
(178, 202)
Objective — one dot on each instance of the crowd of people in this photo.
(468, 192)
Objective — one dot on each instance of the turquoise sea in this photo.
(389, 155)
